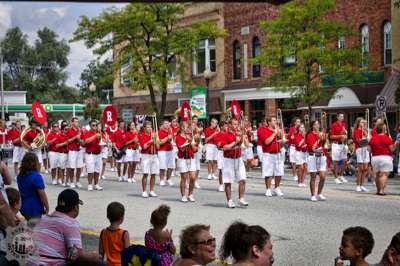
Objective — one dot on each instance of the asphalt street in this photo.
(303, 232)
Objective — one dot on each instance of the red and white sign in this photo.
(38, 112)
(110, 115)
(235, 109)
(185, 111)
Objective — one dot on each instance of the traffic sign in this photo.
(380, 103)
(48, 107)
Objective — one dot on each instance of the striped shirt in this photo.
(53, 236)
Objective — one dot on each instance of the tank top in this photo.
(113, 244)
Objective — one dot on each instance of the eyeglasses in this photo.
(206, 242)
(94, 125)
(55, 126)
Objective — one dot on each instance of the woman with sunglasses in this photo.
(197, 246)
(247, 244)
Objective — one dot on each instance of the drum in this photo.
(6, 151)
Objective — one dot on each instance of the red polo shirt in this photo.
(187, 152)
(119, 138)
(218, 139)
(52, 135)
(15, 134)
(93, 146)
(30, 136)
(207, 133)
(274, 146)
(4, 136)
(234, 152)
(167, 146)
(72, 132)
(111, 133)
(297, 142)
(337, 129)
(62, 137)
(130, 136)
(373, 132)
(143, 139)
(380, 145)
(291, 134)
(260, 132)
(357, 136)
(311, 139)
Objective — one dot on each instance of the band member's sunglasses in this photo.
(206, 242)
(94, 125)
(55, 125)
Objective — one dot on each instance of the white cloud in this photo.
(60, 11)
(5, 18)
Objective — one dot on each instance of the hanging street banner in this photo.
(198, 102)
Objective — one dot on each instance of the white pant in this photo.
(247, 153)
(166, 159)
(93, 163)
(104, 152)
(211, 152)
(272, 164)
(292, 154)
(316, 164)
(260, 153)
(122, 160)
(197, 157)
(18, 154)
(362, 155)
(186, 165)
(132, 155)
(53, 159)
(62, 160)
(38, 153)
(150, 164)
(301, 158)
(75, 159)
(382, 163)
(338, 152)
(220, 159)
(233, 170)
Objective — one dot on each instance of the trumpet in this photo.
(279, 118)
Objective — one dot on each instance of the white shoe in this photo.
(209, 177)
(153, 194)
(231, 204)
(337, 181)
(89, 187)
(72, 185)
(299, 184)
(221, 188)
(60, 182)
(364, 189)
(314, 198)
(295, 178)
(78, 185)
(321, 197)
(125, 178)
(54, 182)
(103, 177)
(303, 185)
(98, 187)
(184, 199)
(170, 183)
(243, 202)
(358, 189)
(191, 198)
(163, 183)
(64, 184)
(215, 177)
(278, 192)
(133, 180)
(120, 179)
(68, 184)
(129, 180)
(196, 185)
(344, 180)
(268, 193)
(145, 195)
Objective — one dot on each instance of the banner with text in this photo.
(198, 102)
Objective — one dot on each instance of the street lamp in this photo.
(207, 76)
(92, 88)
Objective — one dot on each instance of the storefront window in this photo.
(236, 60)
(256, 52)
(204, 57)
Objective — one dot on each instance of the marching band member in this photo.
(211, 149)
(272, 165)
(301, 154)
(104, 149)
(132, 152)
(361, 138)
(111, 132)
(247, 152)
(381, 146)
(186, 161)
(223, 127)
(75, 156)
(119, 143)
(174, 128)
(292, 147)
(53, 152)
(338, 135)
(91, 140)
(165, 153)
(27, 140)
(62, 149)
(3, 132)
(316, 160)
(18, 151)
(197, 131)
(233, 166)
(150, 164)
(260, 132)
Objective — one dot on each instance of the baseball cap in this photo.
(67, 199)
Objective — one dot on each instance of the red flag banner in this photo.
(109, 115)
(235, 109)
(38, 112)
(185, 111)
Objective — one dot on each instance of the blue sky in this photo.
(59, 17)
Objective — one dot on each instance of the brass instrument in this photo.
(324, 127)
(155, 137)
(245, 139)
(279, 118)
(307, 121)
(38, 142)
(385, 120)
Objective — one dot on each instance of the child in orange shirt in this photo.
(113, 239)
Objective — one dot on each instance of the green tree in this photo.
(39, 68)
(101, 74)
(149, 39)
(302, 48)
